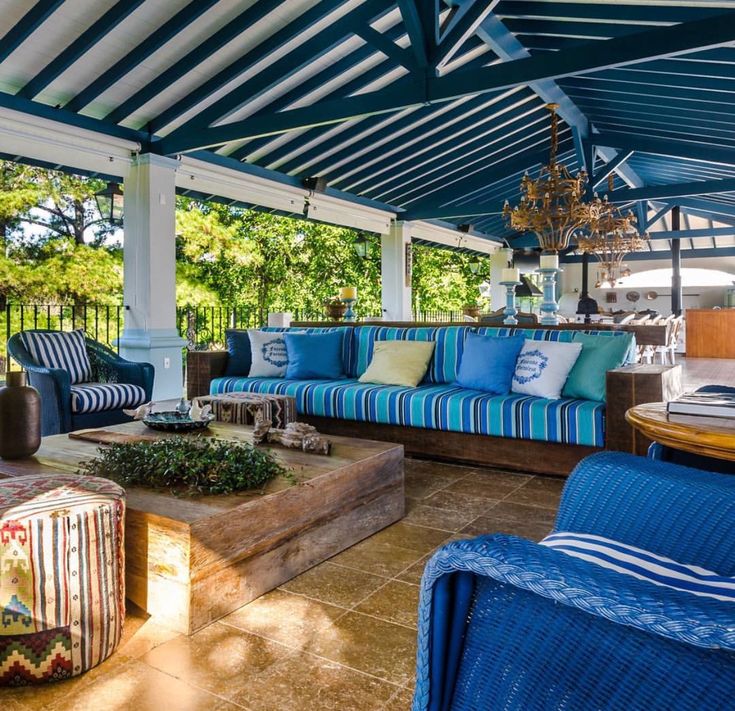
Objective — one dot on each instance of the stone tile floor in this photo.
(339, 637)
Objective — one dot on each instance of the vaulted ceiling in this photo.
(433, 108)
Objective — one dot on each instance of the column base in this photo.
(163, 350)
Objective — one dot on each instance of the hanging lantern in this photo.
(110, 204)
(362, 246)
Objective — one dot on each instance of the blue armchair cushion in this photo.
(64, 350)
(98, 397)
(239, 356)
(314, 355)
(642, 564)
(488, 363)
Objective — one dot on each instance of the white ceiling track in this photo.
(40, 139)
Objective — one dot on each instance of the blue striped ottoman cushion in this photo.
(438, 407)
(98, 397)
(642, 564)
(63, 350)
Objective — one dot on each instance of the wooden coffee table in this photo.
(192, 560)
(706, 436)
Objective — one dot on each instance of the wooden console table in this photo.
(697, 434)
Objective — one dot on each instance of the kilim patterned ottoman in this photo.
(62, 575)
(242, 408)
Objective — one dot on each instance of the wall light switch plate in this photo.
(166, 362)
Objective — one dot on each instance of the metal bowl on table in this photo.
(173, 421)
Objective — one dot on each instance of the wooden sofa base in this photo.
(521, 455)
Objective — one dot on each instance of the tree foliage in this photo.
(58, 249)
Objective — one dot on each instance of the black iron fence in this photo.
(202, 326)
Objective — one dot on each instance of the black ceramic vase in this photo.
(20, 417)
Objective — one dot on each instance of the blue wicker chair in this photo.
(59, 410)
(505, 623)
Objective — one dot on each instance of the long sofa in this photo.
(438, 418)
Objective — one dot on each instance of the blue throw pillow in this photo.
(314, 356)
(488, 363)
(240, 358)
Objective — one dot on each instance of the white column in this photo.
(150, 332)
(498, 262)
(395, 267)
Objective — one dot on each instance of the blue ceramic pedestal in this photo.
(510, 303)
(349, 314)
(549, 307)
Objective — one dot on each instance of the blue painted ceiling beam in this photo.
(68, 118)
(700, 253)
(466, 19)
(713, 207)
(450, 172)
(278, 71)
(422, 44)
(79, 47)
(507, 47)
(605, 11)
(666, 147)
(180, 21)
(676, 190)
(650, 221)
(196, 56)
(655, 80)
(27, 24)
(387, 46)
(629, 49)
(601, 175)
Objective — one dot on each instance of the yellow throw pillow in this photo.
(399, 363)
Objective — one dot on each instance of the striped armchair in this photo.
(82, 383)
(505, 623)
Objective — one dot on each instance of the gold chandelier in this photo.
(612, 235)
(552, 205)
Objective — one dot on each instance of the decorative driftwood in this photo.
(296, 435)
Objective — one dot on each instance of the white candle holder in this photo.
(549, 307)
(510, 310)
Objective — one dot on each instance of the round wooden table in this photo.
(706, 436)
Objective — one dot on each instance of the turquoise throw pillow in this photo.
(587, 381)
(314, 356)
(488, 363)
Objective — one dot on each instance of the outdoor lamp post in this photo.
(110, 203)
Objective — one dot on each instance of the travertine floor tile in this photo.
(415, 538)
(539, 491)
(284, 617)
(377, 557)
(373, 646)
(435, 517)
(455, 501)
(138, 687)
(335, 584)
(414, 573)
(490, 485)
(306, 683)
(395, 602)
(401, 701)
(220, 658)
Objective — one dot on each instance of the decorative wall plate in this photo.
(633, 296)
(651, 295)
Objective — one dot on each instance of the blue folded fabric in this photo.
(488, 363)
(240, 357)
(314, 355)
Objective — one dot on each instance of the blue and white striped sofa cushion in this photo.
(98, 397)
(63, 350)
(642, 564)
(440, 407)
